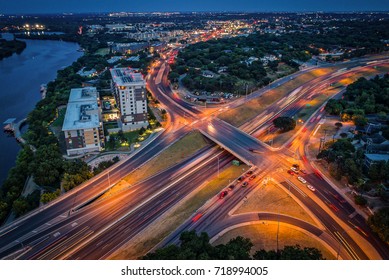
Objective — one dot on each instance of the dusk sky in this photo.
(81, 6)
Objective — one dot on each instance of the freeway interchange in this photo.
(78, 225)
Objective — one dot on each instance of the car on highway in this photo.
(295, 170)
(223, 194)
(252, 177)
(311, 188)
(290, 172)
(240, 179)
(245, 184)
(231, 187)
(301, 179)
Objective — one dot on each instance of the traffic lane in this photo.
(88, 190)
(142, 217)
(217, 210)
(349, 215)
(138, 191)
(324, 217)
(263, 216)
(106, 214)
(329, 194)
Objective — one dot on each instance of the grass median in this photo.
(271, 198)
(185, 147)
(264, 236)
(241, 114)
(169, 221)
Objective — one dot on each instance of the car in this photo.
(301, 179)
(240, 179)
(290, 172)
(303, 171)
(249, 173)
(252, 177)
(296, 166)
(295, 170)
(223, 194)
(311, 188)
(245, 184)
(231, 187)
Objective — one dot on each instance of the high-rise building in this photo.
(129, 89)
(82, 125)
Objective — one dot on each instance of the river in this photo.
(20, 78)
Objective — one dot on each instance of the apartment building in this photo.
(129, 89)
(82, 127)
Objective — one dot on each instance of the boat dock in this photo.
(10, 126)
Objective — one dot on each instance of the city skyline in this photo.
(72, 6)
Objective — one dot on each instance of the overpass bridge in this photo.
(235, 141)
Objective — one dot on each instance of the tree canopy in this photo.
(197, 247)
(284, 123)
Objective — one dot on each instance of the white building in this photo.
(129, 89)
(82, 125)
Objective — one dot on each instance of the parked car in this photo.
(240, 179)
(231, 187)
(252, 177)
(245, 184)
(250, 172)
(303, 171)
(290, 172)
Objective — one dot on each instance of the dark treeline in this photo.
(197, 247)
(7, 48)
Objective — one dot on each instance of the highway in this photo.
(342, 208)
(66, 230)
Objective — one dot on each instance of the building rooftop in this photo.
(126, 77)
(83, 94)
(377, 157)
(82, 111)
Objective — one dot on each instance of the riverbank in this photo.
(21, 78)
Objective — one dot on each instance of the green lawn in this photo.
(61, 117)
(239, 115)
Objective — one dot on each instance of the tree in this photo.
(338, 125)
(197, 247)
(289, 253)
(285, 123)
(47, 165)
(360, 200)
(360, 120)
(49, 196)
(142, 130)
(379, 223)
